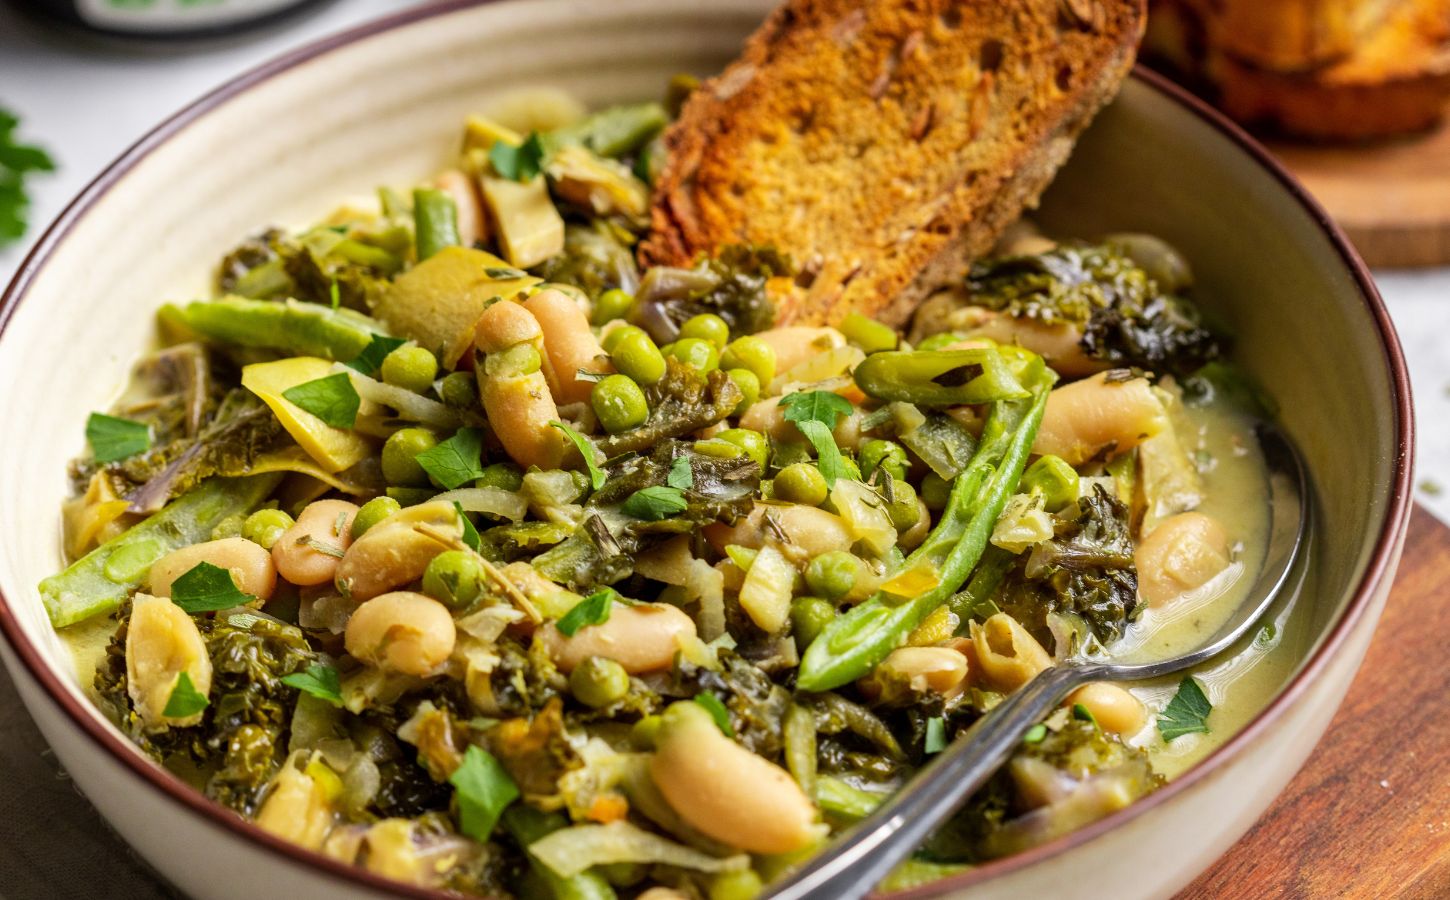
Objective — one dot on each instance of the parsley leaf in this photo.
(114, 439)
(654, 503)
(592, 610)
(470, 534)
(586, 450)
(681, 475)
(207, 588)
(519, 163)
(1083, 714)
(1187, 712)
(319, 680)
(371, 358)
(17, 161)
(717, 711)
(456, 461)
(332, 399)
(185, 699)
(484, 790)
(936, 735)
(814, 414)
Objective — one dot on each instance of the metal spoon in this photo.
(862, 857)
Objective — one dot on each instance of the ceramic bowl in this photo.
(382, 104)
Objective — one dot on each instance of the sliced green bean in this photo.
(435, 222)
(939, 377)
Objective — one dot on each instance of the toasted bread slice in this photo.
(1395, 82)
(1290, 35)
(884, 144)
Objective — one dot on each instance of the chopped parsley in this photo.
(1083, 714)
(592, 610)
(319, 680)
(207, 588)
(523, 162)
(17, 162)
(815, 414)
(484, 790)
(1187, 712)
(332, 399)
(717, 711)
(185, 699)
(456, 461)
(470, 534)
(681, 475)
(114, 439)
(655, 503)
(586, 450)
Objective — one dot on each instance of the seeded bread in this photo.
(1289, 35)
(885, 144)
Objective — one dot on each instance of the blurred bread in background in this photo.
(1318, 69)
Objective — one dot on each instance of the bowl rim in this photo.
(1380, 564)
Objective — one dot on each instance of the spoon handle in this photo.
(850, 869)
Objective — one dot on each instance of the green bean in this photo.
(98, 582)
(868, 334)
(940, 377)
(616, 130)
(1054, 479)
(307, 329)
(853, 644)
(527, 825)
(435, 222)
(969, 602)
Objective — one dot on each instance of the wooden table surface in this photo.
(1369, 815)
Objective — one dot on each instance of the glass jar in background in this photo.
(164, 18)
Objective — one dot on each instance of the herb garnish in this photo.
(519, 163)
(1187, 712)
(681, 475)
(586, 450)
(484, 791)
(319, 680)
(371, 358)
(655, 502)
(456, 461)
(717, 711)
(470, 534)
(815, 413)
(17, 160)
(185, 699)
(332, 399)
(115, 439)
(207, 588)
(592, 610)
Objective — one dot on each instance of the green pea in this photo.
(808, 617)
(459, 390)
(644, 732)
(411, 368)
(749, 388)
(868, 334)
(518, 360)
(400, 452)
(598, 681)
(740, 885)
(717, 449)
(265, 526)
(832, 574)
(878, 454)
(455, 578)
(752, 442)
(612, 304)
(936, 491)
(697, 354)
(504, 476)
(373, 512)
(706, 327)
(637, 356)
(621, 874)
(619, 403)
(411, 496)
(753, 353)
(902, 509)
(612, 337)
(229, 527)
(801, 483)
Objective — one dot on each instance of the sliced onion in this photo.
(570, 851)
(494, 501)
(411, 406)
(865, 515)
(833, 363)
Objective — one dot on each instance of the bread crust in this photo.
(1290, 35)
(884, 144)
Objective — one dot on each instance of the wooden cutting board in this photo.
(1369, 815)
(1392, 198)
